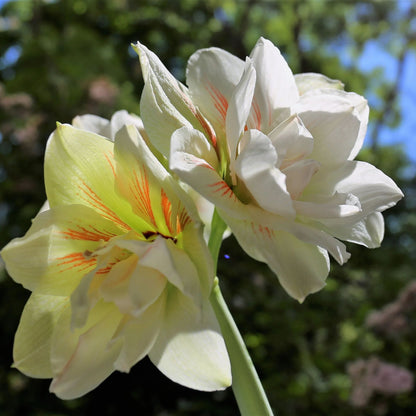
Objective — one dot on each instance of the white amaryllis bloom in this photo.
(275, 153)
(118, 269)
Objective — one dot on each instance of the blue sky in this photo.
(375, 57)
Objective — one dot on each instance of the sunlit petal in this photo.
(87, 354)
(32, 342)
(291, 140)
(190, 349)
(90, 122)
(151, 191)
(175, 265)
(139, 334)
(298, 176)
(335, 122)
(301, 266)
(164, 98)
(199, 174)
(258, 222)
(76, 162)
(311, 81)
(376, 193)
(212, 75)
(368, 231)
(339, 206)
(50, 258)
(275, 85)
(256, 167)
(239, 108)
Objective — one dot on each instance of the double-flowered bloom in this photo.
(117, 261)
(275, 153)
(118, 267)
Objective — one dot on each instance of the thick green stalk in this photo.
(247, 388)
(218, 226)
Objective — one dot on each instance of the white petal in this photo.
(264, 224)
(146, 285)
(298, 176)
(239, 108)
(92, 360)
(291, 140)
(205, 210)
(212, 75)
(115, 284)
(190, 349)
(256, 167)
(375, 190)
(310, 81)
(131, 286)
(165, 105)
(107, 128)
(275, 85)
(339, 206)
(119, 120)
(199, 174)
(138, 335)
(174, 264)
(361, 106)
(194, 142)
(301, 267)
(91, 122)
(87, 294)
(336, 123)
(368, 231)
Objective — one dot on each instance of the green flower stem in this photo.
(247, 388)
(218, 226)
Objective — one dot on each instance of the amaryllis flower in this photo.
(275, 153)
(118, 269)
(109, 128)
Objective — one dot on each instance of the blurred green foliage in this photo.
(60, 58)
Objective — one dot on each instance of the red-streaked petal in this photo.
(212, 75)
(239, 109)
(165, 104)
(152, 192)
(52, 257)
(80, 169)
(275, 85)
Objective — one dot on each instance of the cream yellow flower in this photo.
(118, 269)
